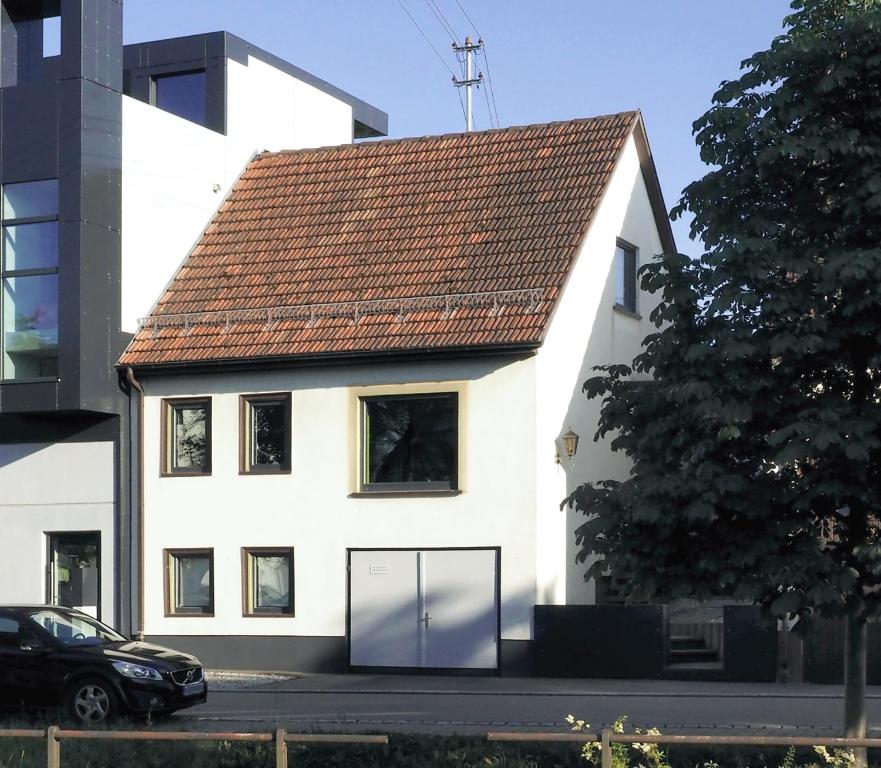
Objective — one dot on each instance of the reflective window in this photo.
(268, 580)
(183, 94)
(191, 583)
(71, 629)
(30, 199)
(266, 433)
(625, 276)
(30, 246)
(187, 437)
(52, 36)
(29, 277)
(30, 326)
(410, 442)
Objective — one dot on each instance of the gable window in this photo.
(29, 281)
(189, 581)
(183, 94)
(266, 433)
(410, 442)
(268, 581)
(186, 444)
(625, 276)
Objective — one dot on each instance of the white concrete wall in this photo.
(53, 488)
(175, 173)
(586, 331)
(311, 509)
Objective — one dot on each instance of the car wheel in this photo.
(91, 701)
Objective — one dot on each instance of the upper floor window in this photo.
(186, 444)
(625, 276)
(410, 442)
(183, 94)
(29, 277)
(266, 433)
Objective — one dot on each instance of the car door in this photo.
(11, 692)
(28, 671)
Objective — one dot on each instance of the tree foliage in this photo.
(752, 415)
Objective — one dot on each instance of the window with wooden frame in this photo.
(268, 581)
(410, 442)
(186, 436)
(625, 275)
(189, 582)
(265, 434)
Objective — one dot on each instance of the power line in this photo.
(489, 110)
(473, 25)
(416, 24)
(489, 79)
(442, 20)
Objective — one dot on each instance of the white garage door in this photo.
(433, 609)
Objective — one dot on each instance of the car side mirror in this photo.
(31, 644)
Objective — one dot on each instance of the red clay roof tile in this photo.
(470, 235)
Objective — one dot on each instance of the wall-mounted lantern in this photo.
(570, 443)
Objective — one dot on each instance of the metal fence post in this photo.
(53, 748)
(281, 749)
(606, 748)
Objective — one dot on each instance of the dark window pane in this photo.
(411, 440)
(190, 436)
(182, 95)
(272, 582)
(30, 246)
(192, 579)
(30, 327)
(625, 277)
(30, 198)
(268, 432)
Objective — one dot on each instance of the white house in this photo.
(349, 402)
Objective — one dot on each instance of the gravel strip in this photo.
(231, 680)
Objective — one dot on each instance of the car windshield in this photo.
(75, 629)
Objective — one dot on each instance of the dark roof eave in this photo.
(332, 358)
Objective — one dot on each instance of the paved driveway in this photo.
(475, 705)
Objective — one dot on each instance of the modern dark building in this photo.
(112, 160)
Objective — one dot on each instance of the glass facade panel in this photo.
(30, 327)
(268, 434)
(30, 198)
(30, 246)
(182, 94)
(272, 582)
(411, 440)
(192, 583)
(189, 437)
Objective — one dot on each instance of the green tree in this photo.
(752, 415)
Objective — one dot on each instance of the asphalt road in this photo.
(475, 705)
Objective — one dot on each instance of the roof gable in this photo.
(457, 241)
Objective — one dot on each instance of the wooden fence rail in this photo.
(608, 737)
(55, 735)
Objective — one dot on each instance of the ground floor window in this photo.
(189, 582)
(268, 581)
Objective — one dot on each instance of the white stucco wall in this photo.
(176, 173)
(53, 488)
(311, 509)
(586, 331)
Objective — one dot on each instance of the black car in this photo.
(52, 656)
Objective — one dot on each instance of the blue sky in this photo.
(549, 59)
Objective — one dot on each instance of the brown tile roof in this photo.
(439, 242)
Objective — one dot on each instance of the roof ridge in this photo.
(356, 146)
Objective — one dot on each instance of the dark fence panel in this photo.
(749, 646)
(824, 652)
(599, 641)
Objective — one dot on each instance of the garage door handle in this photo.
(426, 619)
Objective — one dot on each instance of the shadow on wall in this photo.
(329, 654)
(614, 339)
(21, 437)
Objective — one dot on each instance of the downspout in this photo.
(134, 384)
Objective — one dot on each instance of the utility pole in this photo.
(468, 49)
